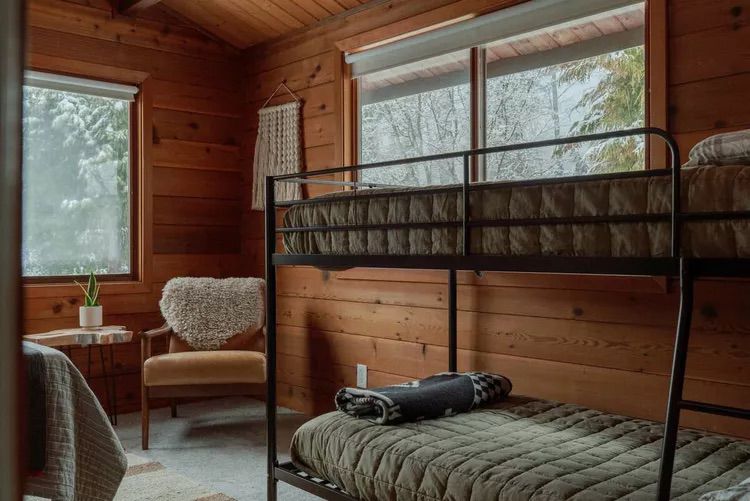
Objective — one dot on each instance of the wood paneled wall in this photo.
(604, 342)
(194, 169)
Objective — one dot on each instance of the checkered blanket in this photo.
(444, 394)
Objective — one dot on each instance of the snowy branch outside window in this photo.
(76, 184)
(410, 111)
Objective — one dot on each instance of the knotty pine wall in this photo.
(196, 182)
(604, 342)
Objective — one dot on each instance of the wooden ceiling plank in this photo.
(350, 4)
(186, 21)
(132, 7)
(258, 18)
(278, 14)
(294, 10)
(228, 28)
(312, 7)
(331, 6)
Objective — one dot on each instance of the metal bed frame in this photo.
(687, 269)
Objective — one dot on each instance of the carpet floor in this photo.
(218, 444)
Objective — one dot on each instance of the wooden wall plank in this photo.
(600, 388)
(318, 100)
(101, 24)
(193, 127)
(690, 16)
(196, 183)
(309, 72)
(196, 211)
(188, 154)
(181, 96)
(623, 346)
(710, 104)
(169, 239)
(159, 64)
(694, 55)
(167, 266)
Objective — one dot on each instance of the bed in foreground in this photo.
(518, 450)
(80, 457)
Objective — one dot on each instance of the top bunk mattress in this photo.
(507, 212)
(520, 449)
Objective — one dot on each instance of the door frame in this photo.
(11, 55)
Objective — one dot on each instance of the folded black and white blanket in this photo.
(444, 394)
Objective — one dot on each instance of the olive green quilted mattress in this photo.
(519, 450)
(516, 205)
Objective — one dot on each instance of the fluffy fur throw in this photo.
(206, 312)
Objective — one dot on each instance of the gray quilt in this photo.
(704, 189)
(519, 450)
(84, 458)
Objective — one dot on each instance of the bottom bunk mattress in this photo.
(519, 450)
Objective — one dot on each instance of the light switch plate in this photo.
(361, 376)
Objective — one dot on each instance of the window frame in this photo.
(655, 111)
(135, 118)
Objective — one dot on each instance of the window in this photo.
(542, 70)
(413, 110)
(78, 179)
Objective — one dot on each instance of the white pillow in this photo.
(739, 492)
(730, 148)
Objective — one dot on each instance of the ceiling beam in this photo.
(135, 6)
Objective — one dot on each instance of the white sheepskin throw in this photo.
(206, 312)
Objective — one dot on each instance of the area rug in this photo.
(147, 480)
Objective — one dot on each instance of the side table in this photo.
(86, 337)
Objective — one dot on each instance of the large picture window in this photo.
(577, 76)
(78, 179)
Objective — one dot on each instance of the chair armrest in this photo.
(147, 336)
(150, 334)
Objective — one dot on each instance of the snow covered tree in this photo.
(76, 186)
(595, 94)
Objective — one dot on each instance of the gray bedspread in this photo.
(518, 450)
(723, 188)
(84, 458)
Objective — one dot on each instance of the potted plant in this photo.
(90, 314)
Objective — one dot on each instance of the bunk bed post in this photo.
(677, 380)
(466, 240)
(452, 322)
(270, 338)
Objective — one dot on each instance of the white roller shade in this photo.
(80, 85)
(507, 24)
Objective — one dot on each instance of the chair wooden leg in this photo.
(173, 405)
(144, 418)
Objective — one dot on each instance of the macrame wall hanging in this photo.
(278, 149)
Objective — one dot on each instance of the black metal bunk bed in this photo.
(687, 269)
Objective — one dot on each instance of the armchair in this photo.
(237, 367)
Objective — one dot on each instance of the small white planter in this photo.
(90, 316)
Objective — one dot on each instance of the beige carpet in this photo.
(147, 480)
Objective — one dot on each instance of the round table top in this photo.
(82, 336)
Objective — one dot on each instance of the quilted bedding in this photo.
(520, 449)
(705, 188)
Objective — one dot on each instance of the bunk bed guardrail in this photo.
(687, 269)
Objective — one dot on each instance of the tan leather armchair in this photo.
(238, 367)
